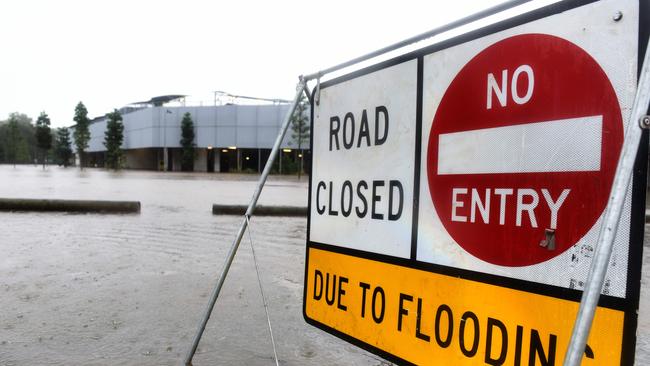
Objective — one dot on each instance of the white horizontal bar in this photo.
(565, 145)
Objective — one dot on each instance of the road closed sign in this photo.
(457, 193)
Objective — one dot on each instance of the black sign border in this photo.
(629, 305)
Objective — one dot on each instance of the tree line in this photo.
(25, 142)
(22, 142)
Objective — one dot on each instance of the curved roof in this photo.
(160, 100)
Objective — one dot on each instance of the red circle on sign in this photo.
(558, 87)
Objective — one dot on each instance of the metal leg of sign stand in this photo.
(249, 212)
(507, 5)
(608, 230)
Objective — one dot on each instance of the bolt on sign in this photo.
(457, 192)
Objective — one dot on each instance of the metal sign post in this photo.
(249, 212)
(611, 219)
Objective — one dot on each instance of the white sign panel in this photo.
(521, 125)
(362, 182)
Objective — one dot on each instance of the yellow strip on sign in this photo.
(428, 318)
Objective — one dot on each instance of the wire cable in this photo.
(259, 281)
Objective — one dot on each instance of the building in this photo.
(231, 137)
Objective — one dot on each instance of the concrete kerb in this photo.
(51, 205)
(260, 210)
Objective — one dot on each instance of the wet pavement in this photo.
(92, 289)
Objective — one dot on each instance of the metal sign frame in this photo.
(628, 304)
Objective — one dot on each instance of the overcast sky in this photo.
(109, 53)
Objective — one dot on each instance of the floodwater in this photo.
(89, 289)
(92, 289)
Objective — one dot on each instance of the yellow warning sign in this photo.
(429, 318)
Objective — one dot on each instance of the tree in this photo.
(63, 146)
(17, 139)
(187, 143)
(27, 147)
(43, 135)
(14, 139)
(300, 128)
(81, 132)
(113, 140)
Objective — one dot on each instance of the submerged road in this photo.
(89, 289)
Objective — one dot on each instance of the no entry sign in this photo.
(457, 192)
(527, 136)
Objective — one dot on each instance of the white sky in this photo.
(109, 53)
